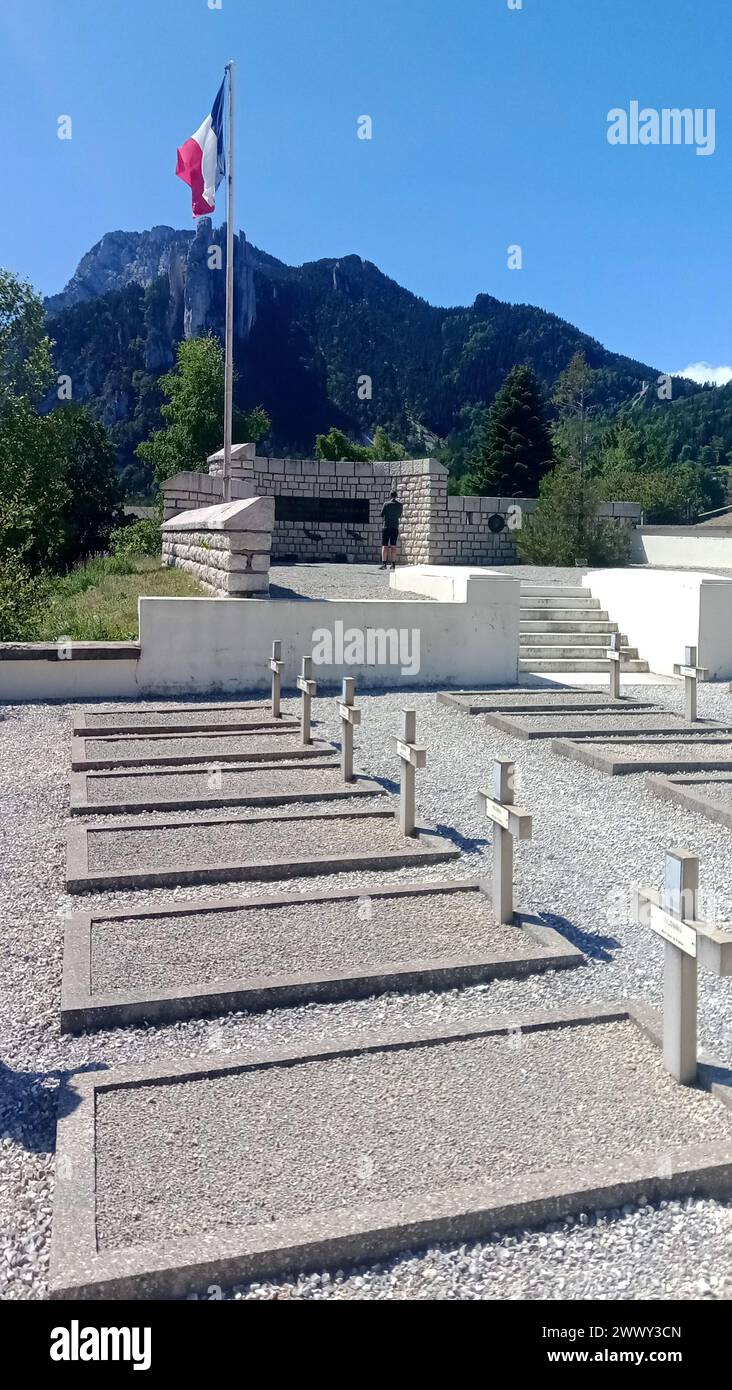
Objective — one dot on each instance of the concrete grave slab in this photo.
(673, 754)
(191, 718)
(208, 849)
(238, 784)
(172, 749)
(198, 958)
(526, 701)
(708, 794)
(176, 1176)
(599, 724)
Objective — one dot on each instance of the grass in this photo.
(97, 602)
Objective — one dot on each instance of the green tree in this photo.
(25, 348)
(565, 528)
(576, 432)
(515, 447)
(193, 412)
(338, 448)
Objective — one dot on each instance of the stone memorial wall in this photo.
(226, 546)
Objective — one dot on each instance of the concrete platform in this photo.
(90, 753)
(198, 958)
(673, 754)
(153, 718)
(176, 1176)
(600, 723)
(238, 784)
(209, 849)
(707, 795)
(533, 700)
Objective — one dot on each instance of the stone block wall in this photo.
(436, 529)
(225, 547)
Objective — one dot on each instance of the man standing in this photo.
(391, 515)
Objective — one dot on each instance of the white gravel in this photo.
(595, 839)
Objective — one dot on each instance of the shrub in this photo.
(139, 538)
(23, 600)
(565, 528)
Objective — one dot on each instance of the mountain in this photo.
(304, 336)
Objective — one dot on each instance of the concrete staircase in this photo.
(563, 628)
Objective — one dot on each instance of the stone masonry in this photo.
(226, 546)
(332, 511)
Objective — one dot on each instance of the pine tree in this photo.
(515, 446)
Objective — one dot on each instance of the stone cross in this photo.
(688, 943)
(508, 821)
(614, 657)
(692, 674)
(350, 716)
(276, 666)
(412, 757)
(306, 685)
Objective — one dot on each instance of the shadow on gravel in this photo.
(466, 843)
(594, 945)
(31, 1101)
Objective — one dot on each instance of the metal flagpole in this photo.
(229, 374)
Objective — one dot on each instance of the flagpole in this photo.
(229, 371)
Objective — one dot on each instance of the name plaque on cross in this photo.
(692, 673)
(509, 822)
(412, 757)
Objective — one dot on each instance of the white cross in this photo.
(412, 757)
(614, 656)
(307, 686)
(276, 666)
(692, 674)
(349, 718)
(688, 943)
(508, 821)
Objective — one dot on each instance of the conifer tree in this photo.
(515, 445)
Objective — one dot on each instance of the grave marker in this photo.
(688, 943)
(692, 674)
(276, 666)
(306, 685)
(412, 757)
(508, 821)
(350, 716)
(614, 657)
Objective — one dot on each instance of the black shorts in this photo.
(390, 535)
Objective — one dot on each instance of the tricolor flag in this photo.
(201, 162)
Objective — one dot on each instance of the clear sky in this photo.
(489, 130)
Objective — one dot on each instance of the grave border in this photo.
(79, 805)
(580, 751)
(81, 763)
(80, 879)
(80, 728)
(678, 790)
(457, 700)
(223, 1256)
(508, 725)
(81, 1009)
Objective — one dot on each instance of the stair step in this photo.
(569, 627)
(559, 601)
(557, 615)
(552, 590)
(546, 650)
(542, 666)
(567, 639)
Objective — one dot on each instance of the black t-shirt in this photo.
(392, 514)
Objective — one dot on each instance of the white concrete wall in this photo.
(68, 680)
(683, 547)
(198, 646)
(663, 611)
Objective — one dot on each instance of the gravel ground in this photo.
(595, 839)
(290, 1141)
(665, 750)
(715, 791)
(198, 746)
(357, 932)
(209, 783)
(327, 831)
(563, 699)
(335, 582)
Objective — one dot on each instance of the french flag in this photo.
(201, 161)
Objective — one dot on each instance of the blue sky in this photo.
(489, 130)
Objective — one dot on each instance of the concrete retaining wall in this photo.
(663, 611)
(683, 547)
